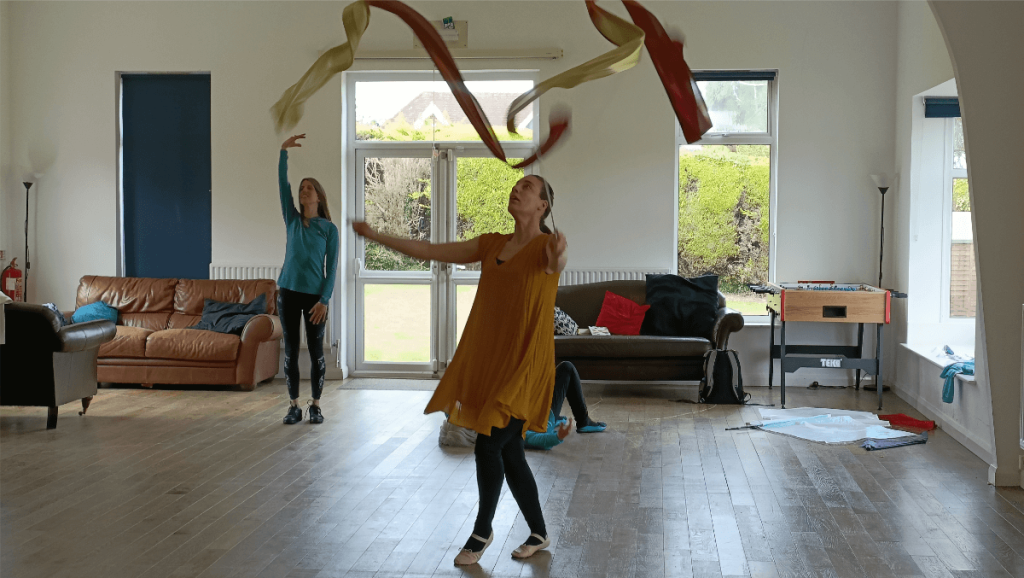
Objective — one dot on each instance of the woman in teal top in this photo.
(306, 281)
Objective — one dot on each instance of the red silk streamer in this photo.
(438, 52)
(667, 56)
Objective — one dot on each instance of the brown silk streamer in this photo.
(667, 55)
(438, 52)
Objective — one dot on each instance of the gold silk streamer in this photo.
(288, 110)
(629, 41)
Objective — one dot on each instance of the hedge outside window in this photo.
(725, 187)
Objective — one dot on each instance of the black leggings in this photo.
(291, 307)
(568, 387)
(501, 456)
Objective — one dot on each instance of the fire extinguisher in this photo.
(11, 281)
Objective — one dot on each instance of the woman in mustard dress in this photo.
(500, 381)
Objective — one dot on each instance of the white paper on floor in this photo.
(828, 426)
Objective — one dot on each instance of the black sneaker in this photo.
(315, 415)
(294, 415)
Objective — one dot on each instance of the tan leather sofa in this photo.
(634, 357)
(152, 344)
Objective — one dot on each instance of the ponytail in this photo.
(548, 194)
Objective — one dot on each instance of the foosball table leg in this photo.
(878, 357)
(782, 363)
(771, 349)
(860, 350)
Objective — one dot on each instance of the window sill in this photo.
(925, 352)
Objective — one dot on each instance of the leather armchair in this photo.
(42, 364)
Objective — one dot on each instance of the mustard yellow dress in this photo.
(504, 365)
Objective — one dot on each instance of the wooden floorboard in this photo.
(168, 483)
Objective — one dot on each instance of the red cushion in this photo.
(620, 315)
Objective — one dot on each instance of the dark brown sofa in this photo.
(153, 344)
(634, 357)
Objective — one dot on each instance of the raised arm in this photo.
(288, 209)
(462, 252)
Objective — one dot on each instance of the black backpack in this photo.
(723, 381)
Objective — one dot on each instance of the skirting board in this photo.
(970, 441)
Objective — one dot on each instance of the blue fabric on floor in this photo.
(950, 372)
(872, 445)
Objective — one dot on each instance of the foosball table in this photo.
(827, 302)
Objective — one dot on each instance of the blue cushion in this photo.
(93, 312)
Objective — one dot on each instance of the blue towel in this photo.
(949, 372)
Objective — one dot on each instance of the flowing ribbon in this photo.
(288, 110)
(629, 40)
(666, 54)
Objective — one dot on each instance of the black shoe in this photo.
(294, 415)
(315, 415)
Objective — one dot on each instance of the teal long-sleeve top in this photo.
(311, 257)
(546, 440)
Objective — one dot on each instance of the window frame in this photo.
(771, 138)
(948, 175)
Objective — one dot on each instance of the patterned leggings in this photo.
(291, 307)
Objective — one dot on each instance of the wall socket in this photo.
(3, 255)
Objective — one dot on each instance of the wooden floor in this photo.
(171, 483)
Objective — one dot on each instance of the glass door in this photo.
(395, 294)
(421, 172)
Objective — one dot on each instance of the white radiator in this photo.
(268, 272)
(578, 277)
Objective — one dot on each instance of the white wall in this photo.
(615, 175)
(7, 182)
(985, 47)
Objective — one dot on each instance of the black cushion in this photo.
(230, 317)
(681, 307)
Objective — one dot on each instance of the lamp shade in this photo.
(882, 181)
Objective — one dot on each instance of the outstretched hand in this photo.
(293, 141)
(363, 230)
(565, 429)
(555, 252)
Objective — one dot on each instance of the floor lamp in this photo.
(28, 261)
(883, 182)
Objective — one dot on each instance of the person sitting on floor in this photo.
(567, 387)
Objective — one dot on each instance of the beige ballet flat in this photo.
(526, 550)
(467, 556)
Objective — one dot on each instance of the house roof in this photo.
(494, 105)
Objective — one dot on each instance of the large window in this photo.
(726, 187)
(959, 267)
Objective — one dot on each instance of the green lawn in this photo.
(397, 322)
